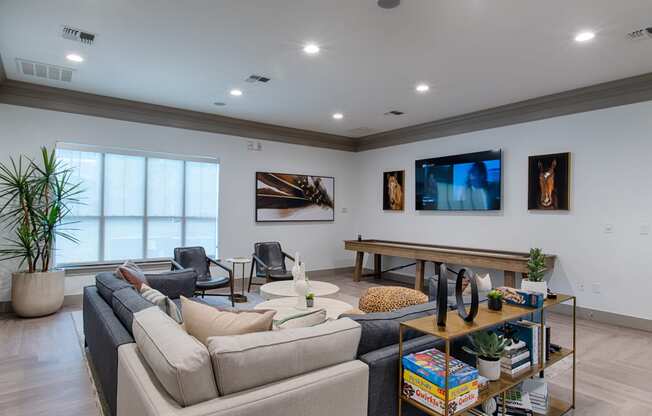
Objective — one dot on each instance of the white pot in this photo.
(489, 369)
(540, 287)
(37, 294)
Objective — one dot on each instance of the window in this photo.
(138, 205)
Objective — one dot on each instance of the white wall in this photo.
(611, 152)
(611, 184)
(24, 130)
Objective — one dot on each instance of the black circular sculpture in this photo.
(461, 309)
(442, 295)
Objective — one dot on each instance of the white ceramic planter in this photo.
(489, 369)
(540, 287)
(37, 294)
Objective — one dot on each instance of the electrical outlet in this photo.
(595, 287)
(608, 228)
(580, 287)
(345, 210)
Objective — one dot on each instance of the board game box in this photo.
(431, 365)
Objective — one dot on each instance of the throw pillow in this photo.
(204, 321)
(163, 302)
(130, 272)
(302, 320)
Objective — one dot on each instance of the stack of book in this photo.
(529, 332)
(424, 378)
(517, 403)
(538, 391)
(516, 359)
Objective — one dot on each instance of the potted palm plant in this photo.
(536, 267)
(35, 197)
(488, 347)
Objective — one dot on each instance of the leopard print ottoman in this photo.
(389, 298)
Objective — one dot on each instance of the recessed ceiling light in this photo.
(235, 92)
(311, 49)
(584, 36)
(422, 88)
(74, 57)
(338, 116)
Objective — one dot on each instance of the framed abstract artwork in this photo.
(291, 197)
(549, 182)
(394, 190)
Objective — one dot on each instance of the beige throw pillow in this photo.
(163, 302)
(204, 321)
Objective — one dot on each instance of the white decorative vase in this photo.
(37, 294)
(539, 287)
(300, 283)
(301, 289)
(489, 369)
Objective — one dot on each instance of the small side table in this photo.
(237, 297)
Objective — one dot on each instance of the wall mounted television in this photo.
(468, 182)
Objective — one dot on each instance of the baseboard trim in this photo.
(608, 318)
(68, 300)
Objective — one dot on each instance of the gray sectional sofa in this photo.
(109, 309)
(303, 371)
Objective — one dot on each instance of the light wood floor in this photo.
(43, 370)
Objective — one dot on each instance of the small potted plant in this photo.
(536, 267)
(488, 347)
(310, 300)
(495, 300)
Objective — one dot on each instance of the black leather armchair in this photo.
(269, 262)
(195, 258)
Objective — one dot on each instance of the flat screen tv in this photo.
(469, 182)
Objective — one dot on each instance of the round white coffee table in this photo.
(285, 307)
(285, 288)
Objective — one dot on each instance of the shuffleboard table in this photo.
(507, 261)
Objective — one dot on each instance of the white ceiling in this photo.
(475, 54)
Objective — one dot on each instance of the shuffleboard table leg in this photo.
(357, 271)
(510, 279)
(421, 269)
(378, 264)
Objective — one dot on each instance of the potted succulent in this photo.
(488, 347)
(310, 300)
(495, 300)
(536, 267)
(36, 196)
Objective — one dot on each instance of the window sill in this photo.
(94, 268)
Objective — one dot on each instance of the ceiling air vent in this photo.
(257, 78)
(394, 113)
(78, 35)
(640, 34)
(45, 71)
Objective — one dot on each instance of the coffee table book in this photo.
(456, 327)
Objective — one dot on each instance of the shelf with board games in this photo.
(486, 319)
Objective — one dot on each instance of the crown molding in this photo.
(58, 99)
(595, 97)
